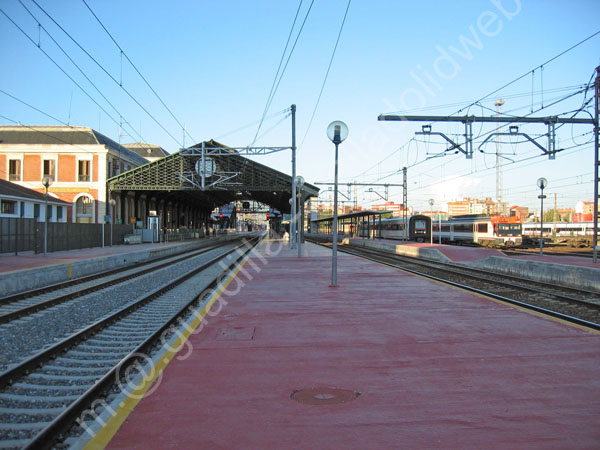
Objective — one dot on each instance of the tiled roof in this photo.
(147, 150)
(14, 190)
(60, 135)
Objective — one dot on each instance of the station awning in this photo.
(218, 177)
(352, 215)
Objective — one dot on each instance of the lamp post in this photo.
(431, 202)
(542, 183)
(112, 203)
(299, 184)
(337, 132)
(46, 181)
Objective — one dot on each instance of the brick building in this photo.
(396, 208)
(78, 160)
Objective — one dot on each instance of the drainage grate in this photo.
(324, 396)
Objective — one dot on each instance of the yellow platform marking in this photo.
(69, 270)
(107, 432)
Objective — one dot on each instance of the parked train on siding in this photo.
(562, 229)
(478, 229)
(576, 234)
(419, 228)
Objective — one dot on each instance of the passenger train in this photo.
(578, 234)
(470, 229)
(561, 229)
(419, 228)
(482, 230)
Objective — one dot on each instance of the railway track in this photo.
(43, 396)
(574, 305)
(25, 303)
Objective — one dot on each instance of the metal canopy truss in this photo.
(234, 176)
(219, 151)
(550, 121)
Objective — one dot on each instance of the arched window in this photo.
(84, 210)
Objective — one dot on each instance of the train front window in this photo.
(509, 229)
(419, 224)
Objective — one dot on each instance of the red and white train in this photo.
(494, 231)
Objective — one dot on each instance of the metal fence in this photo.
(26, 235)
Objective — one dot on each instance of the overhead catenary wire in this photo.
(536, 68)
(123, 53)
(32, 107)
(327, 73)
(137, 102)
(60, 68)
(41, 27)
(273, 89)
(587, 87)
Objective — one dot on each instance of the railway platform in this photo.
(567, 270)
(29, 270)
(384, 360)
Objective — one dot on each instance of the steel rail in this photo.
(565, 317)
(64, 284)
(479, 274)
(34, 361)
(4, 318)
(45, 439)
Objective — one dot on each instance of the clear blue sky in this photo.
(213, 64)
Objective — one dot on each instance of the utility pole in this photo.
(405, 202)
(596, 162)
(293, 217)
(554, 214)
(550, 150)
(498, 104)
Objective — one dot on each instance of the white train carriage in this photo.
(418, 229)
(561, 229)
(480, 230)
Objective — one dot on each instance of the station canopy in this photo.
(354, 215)
(214, 174)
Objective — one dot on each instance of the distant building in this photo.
(458, 208)
(566, 214)
(477, 206)
(19, 202)
(520, 212)
(584, 212)
(79, 160)
(396, 208)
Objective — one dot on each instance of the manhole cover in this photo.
(324, 396)
(236, 334)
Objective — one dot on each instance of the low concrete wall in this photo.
(27, 279)
(560, 274)
(404, 250)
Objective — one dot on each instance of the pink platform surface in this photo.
(470, 254)
(436, 367)
(27, 260)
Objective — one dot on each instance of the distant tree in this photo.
(549, 216)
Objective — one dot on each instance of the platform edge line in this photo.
(105, 434)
